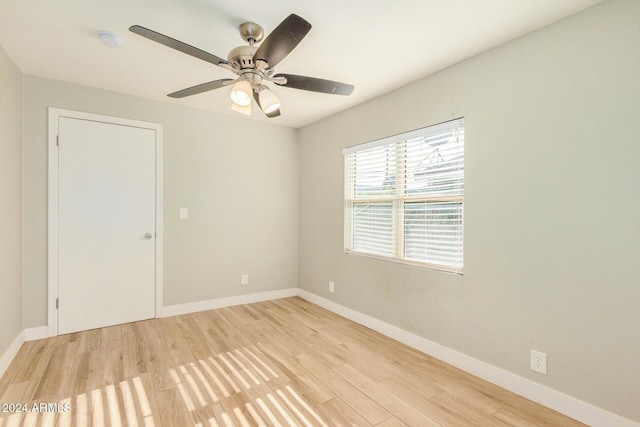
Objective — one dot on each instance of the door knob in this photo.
(148, 236)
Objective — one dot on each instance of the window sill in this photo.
(458, 271)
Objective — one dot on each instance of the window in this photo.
(404, 197)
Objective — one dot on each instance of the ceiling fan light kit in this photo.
(269, 101)
(241, 93)
(253, 65)
(242, 109)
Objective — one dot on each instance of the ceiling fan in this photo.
(253, 65)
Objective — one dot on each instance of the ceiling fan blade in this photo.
(315, 85)
(177, 45)
(270, 115)
(204, 87)
(282, 40)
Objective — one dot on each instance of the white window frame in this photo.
(398, 199)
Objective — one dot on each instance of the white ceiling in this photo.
(376, 45)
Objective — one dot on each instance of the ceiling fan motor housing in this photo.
(242, 56)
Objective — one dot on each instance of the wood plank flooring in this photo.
(277, 363)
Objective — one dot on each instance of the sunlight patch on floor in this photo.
(273, 401)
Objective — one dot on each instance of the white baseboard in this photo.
(563, 403)
(32, 334)
(10, 353)
(192, 307)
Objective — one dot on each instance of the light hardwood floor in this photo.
(278, 363)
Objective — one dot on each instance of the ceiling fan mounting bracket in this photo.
(251, 32)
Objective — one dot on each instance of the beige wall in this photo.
(239, 179)
(552, 208)
(10, 201)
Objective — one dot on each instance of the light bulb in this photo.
(241, 93)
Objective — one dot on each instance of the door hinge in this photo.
(58, 140)
(57, 302)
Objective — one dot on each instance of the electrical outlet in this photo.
(244, 279)
(332, 287)
(184, 213)
(539, 362)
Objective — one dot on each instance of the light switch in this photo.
(184, 213)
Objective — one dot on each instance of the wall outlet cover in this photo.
(538, 362)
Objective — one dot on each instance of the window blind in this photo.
(404, 197)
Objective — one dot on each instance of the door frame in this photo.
(53, 257)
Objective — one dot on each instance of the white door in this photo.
(106, 224)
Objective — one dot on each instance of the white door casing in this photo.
(105, 194)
